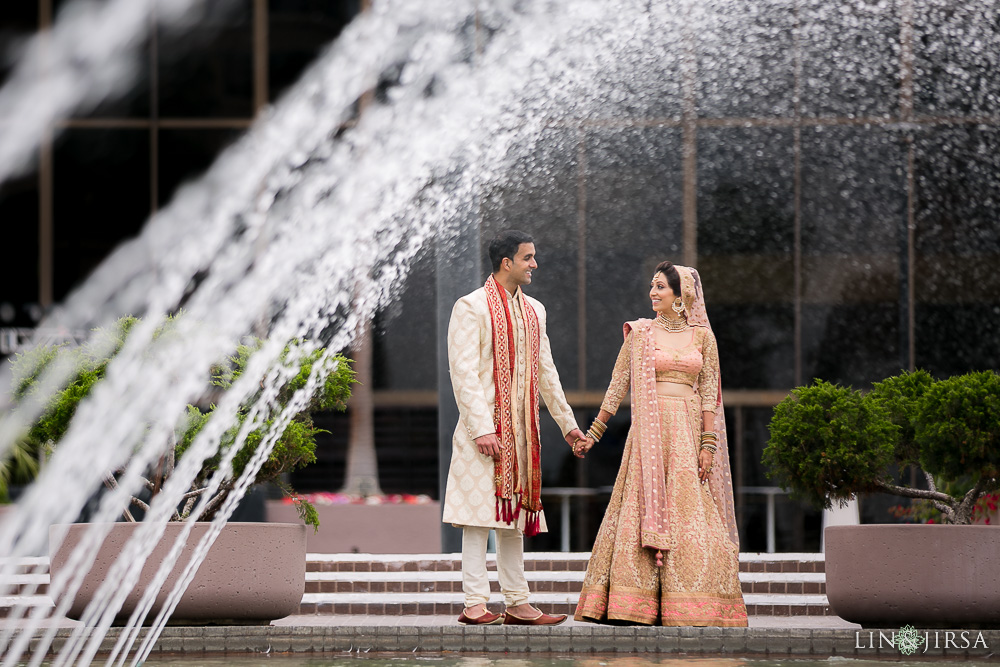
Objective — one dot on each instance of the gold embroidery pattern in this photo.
(699, 581)
(708, 379)
(621, 377)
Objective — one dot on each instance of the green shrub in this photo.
(294, 448)
(831, 443)
(828, 443)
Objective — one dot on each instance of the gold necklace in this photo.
(670, 325)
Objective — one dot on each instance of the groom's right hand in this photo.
(489, 445)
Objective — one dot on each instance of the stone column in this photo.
(459, 271)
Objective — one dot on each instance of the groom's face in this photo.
(523, 264)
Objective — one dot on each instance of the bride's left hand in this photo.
(705, 462)
(581, 447)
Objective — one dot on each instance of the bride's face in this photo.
(660, 294)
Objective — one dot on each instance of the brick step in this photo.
(541, 582)
(444, 604)
(538, 561)
(772, 584)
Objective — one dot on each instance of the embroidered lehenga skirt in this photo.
(698, 583)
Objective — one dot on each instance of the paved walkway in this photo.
(803, 622)
(819, 637)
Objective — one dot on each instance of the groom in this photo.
(500, 361)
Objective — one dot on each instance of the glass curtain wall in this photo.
(829, 168)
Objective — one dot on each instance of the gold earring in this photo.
(678, 306)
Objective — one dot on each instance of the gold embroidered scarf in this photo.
(506, 473)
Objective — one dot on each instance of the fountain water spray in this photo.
(305, 236)
(296, 232)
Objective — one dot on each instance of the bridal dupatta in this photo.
(655, 507)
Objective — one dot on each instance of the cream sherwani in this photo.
(470, 497)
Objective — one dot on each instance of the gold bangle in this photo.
(593, 436)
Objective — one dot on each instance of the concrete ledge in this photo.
(818, 643)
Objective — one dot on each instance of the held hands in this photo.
(489, 445)
(580, 443)
(582, 447)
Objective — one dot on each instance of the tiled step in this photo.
(553, 581)
(23, 578)
(772, 584)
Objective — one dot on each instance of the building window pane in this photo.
(853, 236)
(18, 21)
(405, 355)
(745, 58)
(957, 285)
(297, 32)
(186, 154)
(957, 50)
(745, 245)
(206, 70)
(539, 196)
(101, 198)
(19, 237)
(633, 211)
(850, 58)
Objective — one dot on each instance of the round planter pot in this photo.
(887, 576)
(254, 572)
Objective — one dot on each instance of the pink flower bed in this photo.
(327, 498)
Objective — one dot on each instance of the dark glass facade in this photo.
(830, 169)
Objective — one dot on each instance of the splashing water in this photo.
(306, 236)
(297, 232)
(90, 55)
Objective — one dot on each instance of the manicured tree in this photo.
(294, 448)
(958, 429)
(831, 443)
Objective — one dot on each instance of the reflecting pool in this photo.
(386, 660)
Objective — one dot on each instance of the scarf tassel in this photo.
(506, 511)
(531, 524)
(509, 512)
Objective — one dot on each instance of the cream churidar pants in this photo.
(510, 565)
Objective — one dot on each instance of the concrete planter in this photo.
(254, 572)
(370, 529)
(887, 576)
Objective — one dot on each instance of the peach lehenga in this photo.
(658, 503)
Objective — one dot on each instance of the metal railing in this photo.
(770, 492)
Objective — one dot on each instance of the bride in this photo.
(667, 552)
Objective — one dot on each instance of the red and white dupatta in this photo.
(510, 499)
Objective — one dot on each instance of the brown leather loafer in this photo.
(488, 618)
(541, 619)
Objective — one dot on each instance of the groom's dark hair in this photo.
(505, 244)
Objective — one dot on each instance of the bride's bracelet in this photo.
(596, 430)
(709, 447)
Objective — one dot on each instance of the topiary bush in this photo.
(294, 448)
(832, 443)
(829, 443)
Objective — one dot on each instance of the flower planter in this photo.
(254, 572)
(374, 529)
(887, 576)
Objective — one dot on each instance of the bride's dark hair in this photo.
(669, 271)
